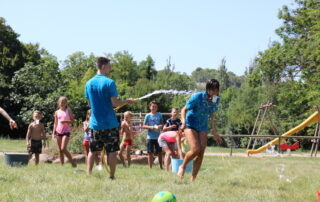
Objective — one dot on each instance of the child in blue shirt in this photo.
(154, 123)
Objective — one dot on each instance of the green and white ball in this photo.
(164, 196)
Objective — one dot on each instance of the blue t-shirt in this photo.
(199, 111)
(99, 91)
(151, 120)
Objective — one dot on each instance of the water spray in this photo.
(173, 92)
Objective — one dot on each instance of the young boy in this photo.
(34, 136)
(153, 122)
(127, 136)
(173, 123)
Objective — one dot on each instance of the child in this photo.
(194, 118)
(86, 138)
(153, 122)
(170, 142)
(63, 118)
(35, 135)
(173, 123)
(127, 136)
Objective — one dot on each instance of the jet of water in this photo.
(174, 92)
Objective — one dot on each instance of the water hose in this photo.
(103, 160)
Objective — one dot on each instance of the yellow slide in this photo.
(315, 117)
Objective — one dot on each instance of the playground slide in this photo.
(315, 117)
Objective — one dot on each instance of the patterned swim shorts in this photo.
(108, 138)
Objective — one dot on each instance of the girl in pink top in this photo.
(170, 143)
(63, 118)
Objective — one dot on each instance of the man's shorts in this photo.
(108, 138)
(153, 145)
(36, 147)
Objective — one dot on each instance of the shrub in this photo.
(75, 144)
(140, 141)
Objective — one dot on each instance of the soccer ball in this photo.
(164, 196)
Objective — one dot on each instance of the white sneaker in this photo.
(99, 167)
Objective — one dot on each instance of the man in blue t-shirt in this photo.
(154, 123)
(102, 94)
(194, 117)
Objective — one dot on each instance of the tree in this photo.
(12, 53)
(125, 68)
(146, 68)
(76, 65)
(36, 87)
(223, 76)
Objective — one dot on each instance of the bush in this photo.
(140, 141)
(75, 144)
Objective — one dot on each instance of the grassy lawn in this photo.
(7, 145)
(220, 179)
(19, 146)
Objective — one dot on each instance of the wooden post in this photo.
(264, 113)
(254, 128)
(314, 140)
(315, 144)
(232, 141)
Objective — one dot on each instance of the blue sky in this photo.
(193, 33)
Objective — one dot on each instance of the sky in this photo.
(193, 33)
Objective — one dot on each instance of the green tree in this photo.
(146, 68)
(223, 76)
(37, 87)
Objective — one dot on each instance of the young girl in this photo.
(194, 118)
(170, 142)
(127, 135)
(86, 138)
(63, 118)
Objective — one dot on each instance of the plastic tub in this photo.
(16, 159)
(178, 162)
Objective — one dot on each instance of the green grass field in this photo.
(220, 179)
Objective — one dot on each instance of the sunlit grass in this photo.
(220, 179)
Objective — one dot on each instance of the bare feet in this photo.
(192, 179)
(180, 172)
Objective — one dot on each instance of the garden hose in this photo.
(103, 160)
(118, 107)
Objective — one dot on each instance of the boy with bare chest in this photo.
(35, 135)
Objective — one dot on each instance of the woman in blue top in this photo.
(194, 117)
